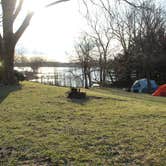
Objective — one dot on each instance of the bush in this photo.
(122, 84)
(19, 75)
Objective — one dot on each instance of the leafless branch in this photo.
(18, 9)
(55, 3)
(23, 26)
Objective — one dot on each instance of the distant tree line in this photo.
(140, 31)
(142, 34)
(33, 62)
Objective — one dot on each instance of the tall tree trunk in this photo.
(86, 80)
(101, 69)
(104, 76)
(8, 42)
(85, 77)
(89, 78)
(8, 63)
(104, 68)
(101, 75)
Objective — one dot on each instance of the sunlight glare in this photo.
(33, 5)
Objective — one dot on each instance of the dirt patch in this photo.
(6, 152)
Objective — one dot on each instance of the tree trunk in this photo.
(89, 77)
(104, 76)
(86, 81)
(101, 69)
(101, 75)
(85, 78)
(104, 69)
(148, 82)
(7, 43)
(8, 48)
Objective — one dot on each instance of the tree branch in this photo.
(23, 26)
(18, 9)
(56, 2)
(27, 19)
(131, 4)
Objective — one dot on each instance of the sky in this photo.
(53, 31)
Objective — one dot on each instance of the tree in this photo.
(20, 58)
(35, 63)
(8, 39)
(102, 36)
(124, 30)
(151, 25)
(140, 29)
(84, 48)
(141, 32)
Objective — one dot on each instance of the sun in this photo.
(33, 5)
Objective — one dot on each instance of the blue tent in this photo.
(142, 86)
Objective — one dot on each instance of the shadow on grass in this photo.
(6, 90)
(139, 96)
(88, 98)
(80, 101)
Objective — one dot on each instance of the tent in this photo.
(142, 86)
(161, 91)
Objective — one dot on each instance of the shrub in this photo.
(19, 75)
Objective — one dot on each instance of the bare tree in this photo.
(140, 31)
(139, 27)
(84, 49)
(124, 30)
(101, 34)
(102, 37)
(151, 22)
(20, 58)
(35, 63)
(8, 39)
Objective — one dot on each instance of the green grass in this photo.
(40, 126)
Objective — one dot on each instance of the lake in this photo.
(61, 76)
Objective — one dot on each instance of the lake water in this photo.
(62, 76)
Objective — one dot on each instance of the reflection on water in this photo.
(61, 76)
(64, 76)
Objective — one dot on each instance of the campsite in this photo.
(82, 83)
(141, 86)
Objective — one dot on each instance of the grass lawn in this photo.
(40, 126)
